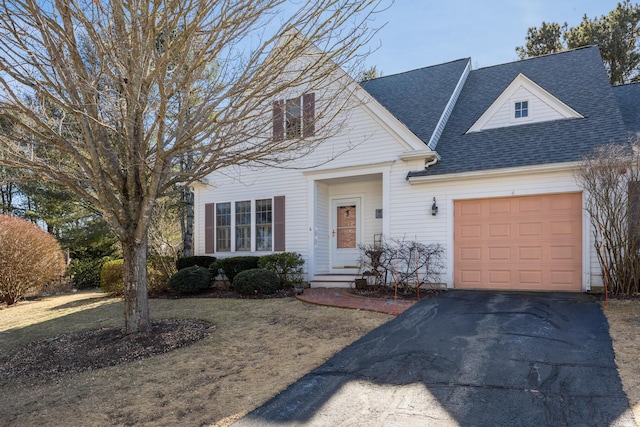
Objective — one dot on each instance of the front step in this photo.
(333, 280)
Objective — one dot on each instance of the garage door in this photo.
(520, 243)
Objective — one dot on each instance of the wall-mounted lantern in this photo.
(434, 207)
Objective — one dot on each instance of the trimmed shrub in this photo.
(214, 268)
(112, 277)
(190, 280)
(190, 261)
(256, 281)
(287, 265)
(234, 265)
(157, 281)
(29, 258)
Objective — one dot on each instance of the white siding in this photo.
(539, 111)
(321, 233)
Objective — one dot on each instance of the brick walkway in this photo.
(341, 297)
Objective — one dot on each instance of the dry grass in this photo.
(257, 349)
(624, 327)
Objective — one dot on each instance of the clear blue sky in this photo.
(421, 33)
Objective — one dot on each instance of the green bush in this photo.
(85, 273)
(190, 261)
(256, 281)
(190, 280)
(112, 277)
(234, 265)
(287, 265)
(214, 268)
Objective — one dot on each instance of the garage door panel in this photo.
(499, 206)
(530, 277)
(563, 252)
(500, 277)
(471, 231)
(563, 228)
(499, 230)
(528, 253)
(470, 276)
(470, 254)
(529, 205)
(530, 229)
(499, 253)
(526, 243)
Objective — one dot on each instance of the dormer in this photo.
(523, 102)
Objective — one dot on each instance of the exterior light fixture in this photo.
(434, 207)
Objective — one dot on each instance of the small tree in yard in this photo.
(29, 258)
(107, 97)
(610, 177)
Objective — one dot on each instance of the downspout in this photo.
(431, 163)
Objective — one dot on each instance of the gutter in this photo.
(491, 173)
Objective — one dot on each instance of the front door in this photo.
(345, 235)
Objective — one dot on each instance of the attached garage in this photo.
(519, 243)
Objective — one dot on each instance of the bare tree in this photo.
(105, 97)
(610, 177)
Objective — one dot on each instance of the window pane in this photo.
(293, 124)
(346, 227)
(521, 109)
(223, 227)
(263, 225)
(243, 226)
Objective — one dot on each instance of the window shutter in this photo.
(278, 224)
(278, 120)
(308, 114)
(209, 222)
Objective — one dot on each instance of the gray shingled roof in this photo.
(628, 97)
(576, 77)
(417, 98)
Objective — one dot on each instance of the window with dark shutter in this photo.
(294, 118)
(209, 237)
(278, 223)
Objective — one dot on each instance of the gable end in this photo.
(523, 102)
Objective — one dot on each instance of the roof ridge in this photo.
(541, 56)
(419, 69)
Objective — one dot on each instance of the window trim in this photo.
(305, 118)
(277, 225)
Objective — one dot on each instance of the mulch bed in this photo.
(388, 292)
(47, 359)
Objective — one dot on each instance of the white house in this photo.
(493, 148)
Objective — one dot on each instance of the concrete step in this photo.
(333, 280)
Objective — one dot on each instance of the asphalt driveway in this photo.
(467, 358)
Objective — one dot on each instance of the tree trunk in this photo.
(136, 301)
(187, 221)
